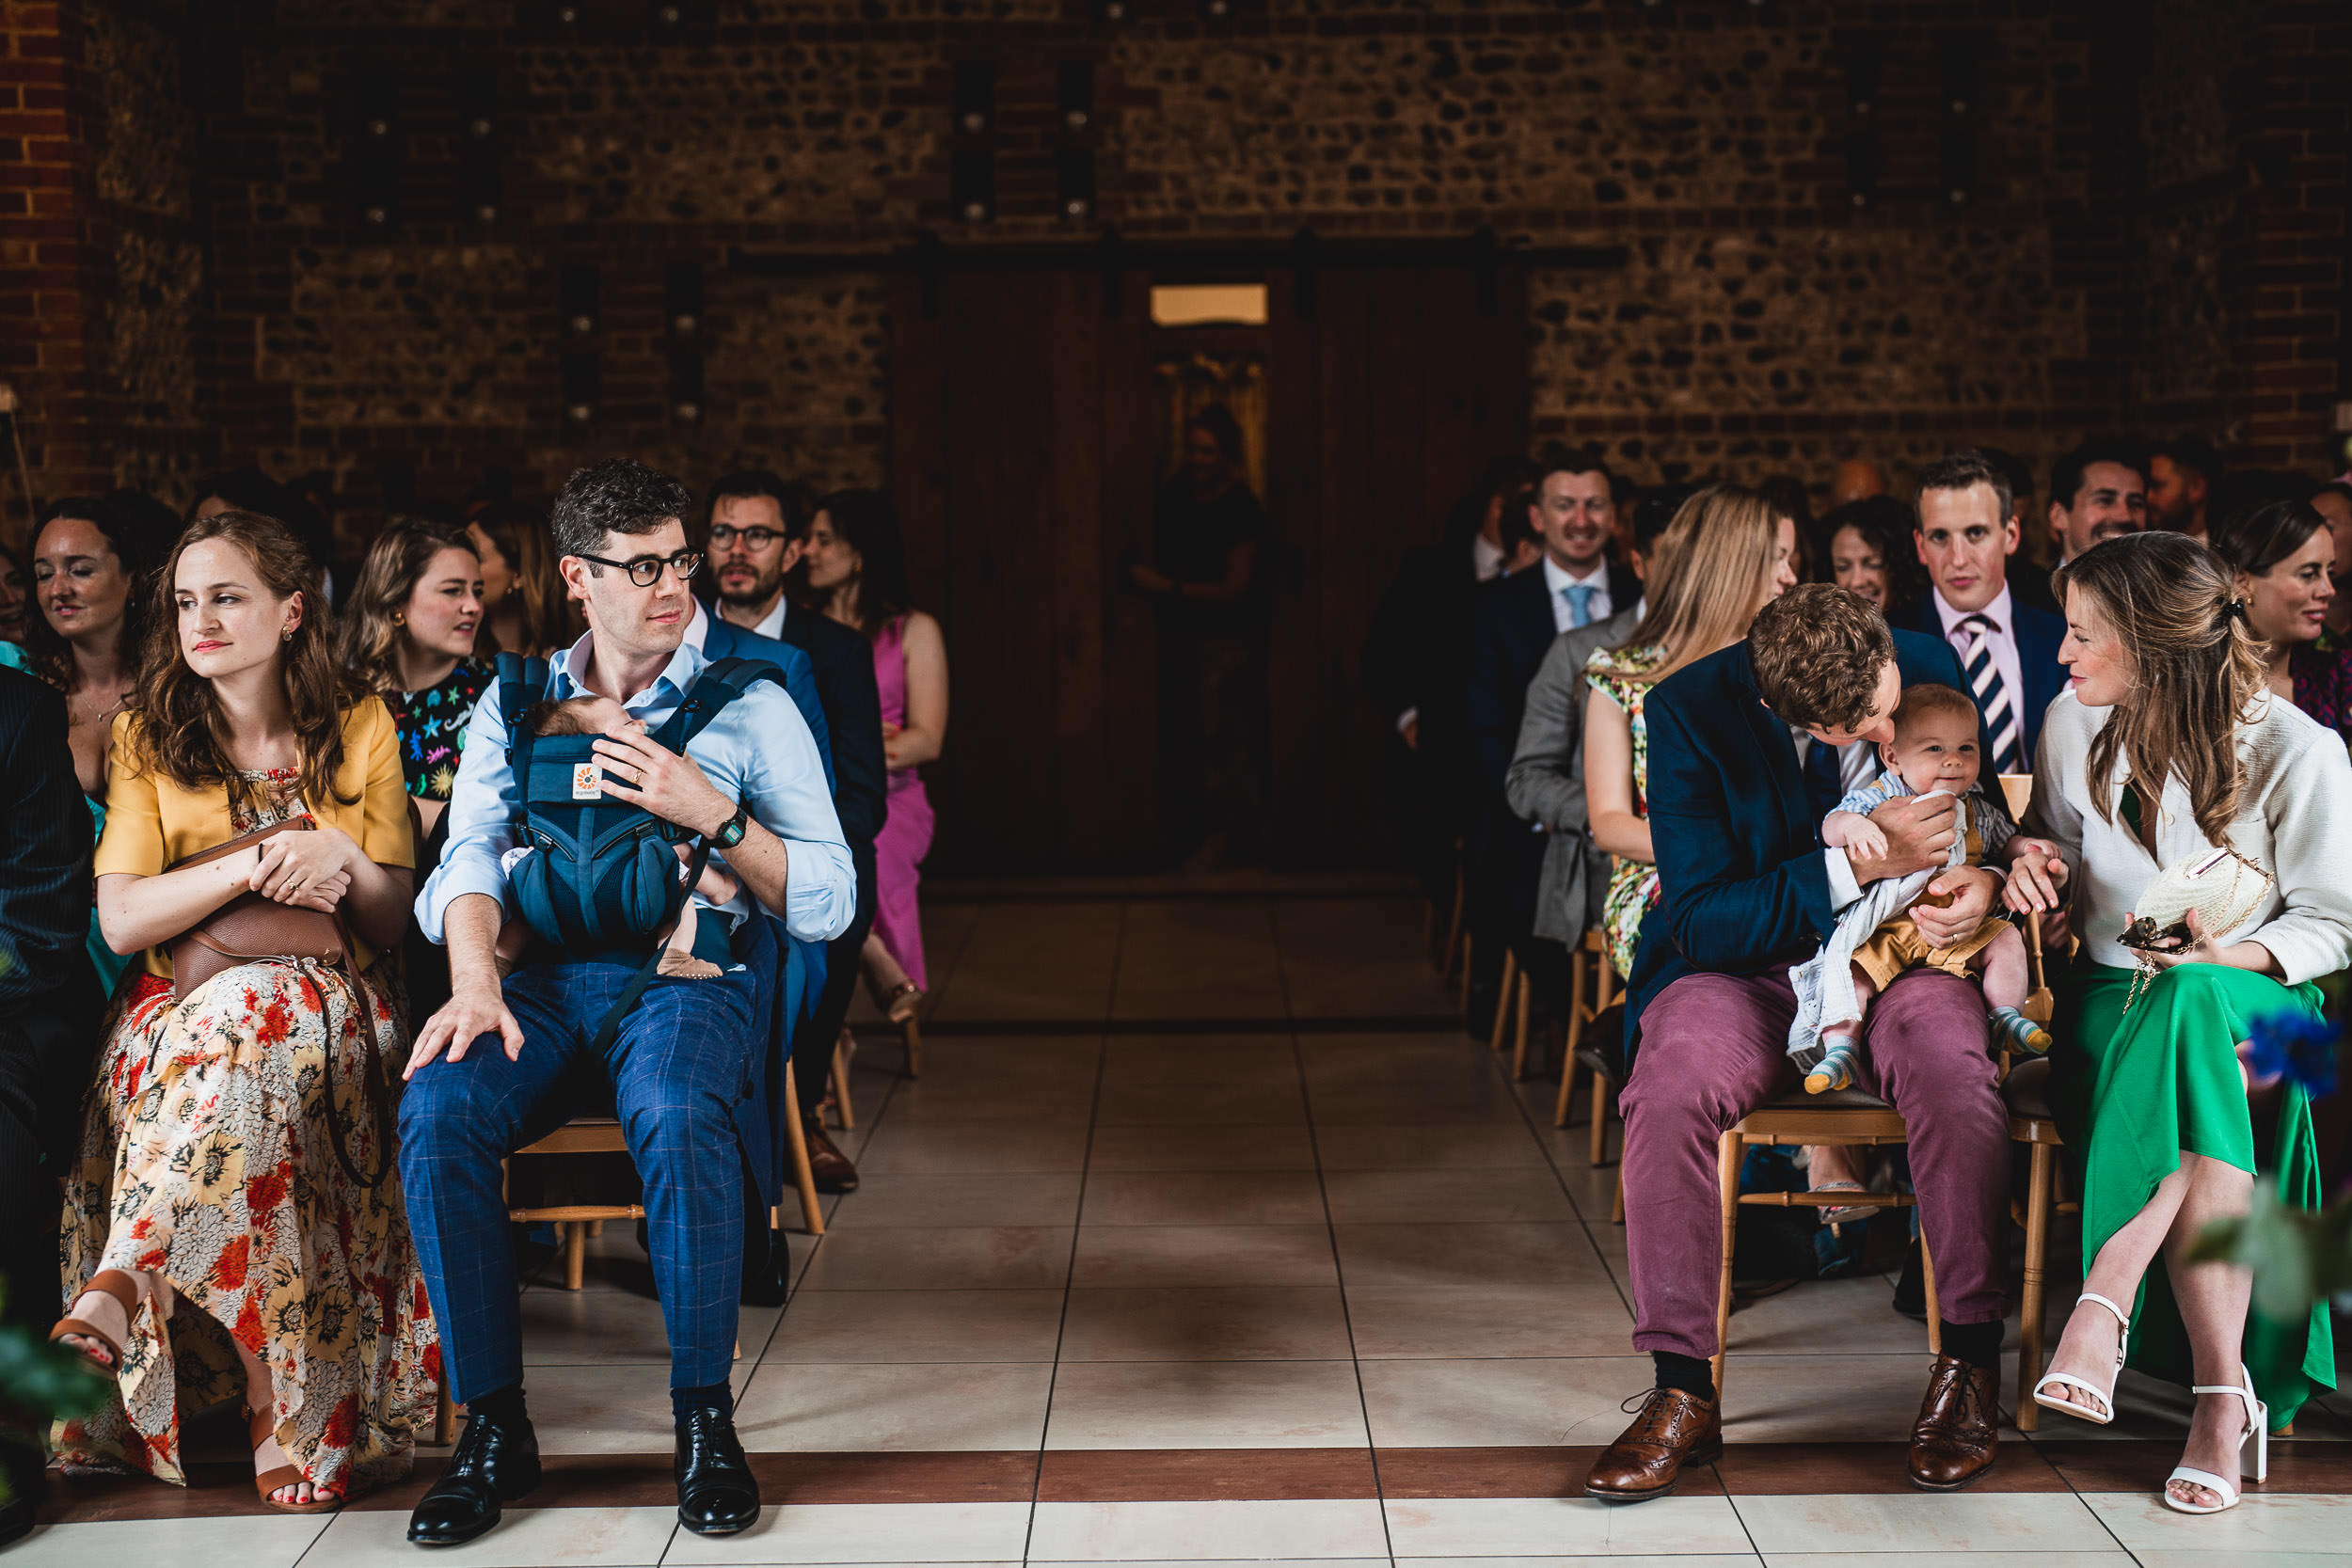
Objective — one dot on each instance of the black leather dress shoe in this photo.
(494, 1463)
(716, 1494)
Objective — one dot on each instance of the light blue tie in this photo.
(1580, 598)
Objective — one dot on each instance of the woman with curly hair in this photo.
(1871, 553)
(233, 1227)
(409, 630)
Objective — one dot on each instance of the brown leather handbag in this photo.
(250, 927)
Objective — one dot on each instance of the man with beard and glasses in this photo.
(757, 531)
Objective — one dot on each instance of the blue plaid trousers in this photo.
(681, 1072)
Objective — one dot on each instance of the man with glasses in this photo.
(758, 528)
(489, 1070)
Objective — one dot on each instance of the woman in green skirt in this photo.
(2165, 752)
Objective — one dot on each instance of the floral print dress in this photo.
(1632, 884)
(205, 1157)
(432, 725)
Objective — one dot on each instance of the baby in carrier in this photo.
(1935, 750)
(591, 714)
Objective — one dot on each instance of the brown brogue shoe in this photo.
(1671, 1429)
(1959, 1429)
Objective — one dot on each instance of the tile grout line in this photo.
(1077, 1221)
(1331, 1234)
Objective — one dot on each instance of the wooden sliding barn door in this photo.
(1025, 455)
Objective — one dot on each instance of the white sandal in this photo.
(2256, 1437)
(2105, 1395)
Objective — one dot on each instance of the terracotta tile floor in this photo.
(1208, 1236)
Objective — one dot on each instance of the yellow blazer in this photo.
(152, 823)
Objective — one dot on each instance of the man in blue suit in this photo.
(1747, 891)
(1513, 621)
(2008, 650)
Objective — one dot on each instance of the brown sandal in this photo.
(904, 1001)
(120, 1286)
(260, 1426)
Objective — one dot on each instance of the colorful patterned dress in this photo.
(432, 725)
(1632, 884)
(205, 1156)
(2322, 675)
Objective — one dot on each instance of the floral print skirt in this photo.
(205, 1156)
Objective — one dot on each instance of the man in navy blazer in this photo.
(1513, 621)
(756, 531)
(1748, 890)
(2008, 650)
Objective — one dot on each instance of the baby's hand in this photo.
(1849, 829)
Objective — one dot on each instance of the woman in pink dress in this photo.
(856, 572)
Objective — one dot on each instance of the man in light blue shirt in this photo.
(489, 1070)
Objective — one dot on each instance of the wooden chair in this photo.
(1455, 937)
(1845, 1118)
(575, 1222)
(1586, 1002)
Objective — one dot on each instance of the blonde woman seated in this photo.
(216, 1245)
(2166, 749)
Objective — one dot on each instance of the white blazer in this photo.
(2295, 820)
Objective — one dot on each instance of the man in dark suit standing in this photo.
(758, 526)
(2008, 650)
(1748, 890)
(49, 1007)
(1513, 622)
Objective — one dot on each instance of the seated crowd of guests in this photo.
(1759, 754)
(268, 960)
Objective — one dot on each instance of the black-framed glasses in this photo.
(645, 570)
(724, 535)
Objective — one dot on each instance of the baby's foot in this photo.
(2018, 1032)
(1836, 1068)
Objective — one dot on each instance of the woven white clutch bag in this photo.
(2221, 886)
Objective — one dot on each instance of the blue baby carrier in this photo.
(605, 882)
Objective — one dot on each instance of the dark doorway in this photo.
(1029, 434)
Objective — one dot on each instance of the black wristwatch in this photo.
(732, 835)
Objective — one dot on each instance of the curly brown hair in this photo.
(1818, 652)
(180, 730)
(370, 631)
(2196, 673)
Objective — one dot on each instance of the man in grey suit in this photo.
(1545, 782)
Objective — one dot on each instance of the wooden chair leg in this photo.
(1518, 1047)
(1454, 935)
(2031, 1305)
(1466, 981)
(1617, 1204)
(1600, 1118)
(1604, 991)
(1729, 1151)
(1503, 998)
(812, 1214)
(1935, 1312)
(444, 1415)
(841, 1106)
(595, 1231)
(911, 1032)
(575, 1254)
(1567, 1088)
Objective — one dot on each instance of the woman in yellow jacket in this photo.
(215, 1244)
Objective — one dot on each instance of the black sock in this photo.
(1979, 1344)
(504, 1405)
(1694, 1374)
(710, 1396)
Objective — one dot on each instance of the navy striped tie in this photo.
(1973, 636)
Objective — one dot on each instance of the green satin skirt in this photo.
(2131, 1090)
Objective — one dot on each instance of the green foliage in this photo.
(41, 1384)
(2298, 1257)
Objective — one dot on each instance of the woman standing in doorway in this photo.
(856, 571)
